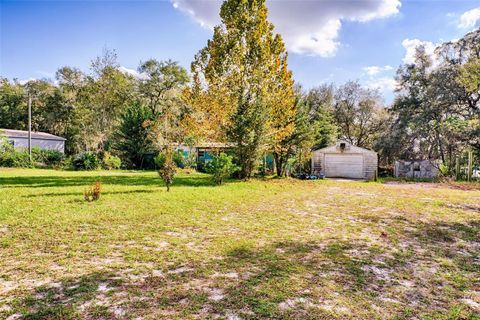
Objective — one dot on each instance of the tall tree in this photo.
(431, 113)
(319, 103)
(242, 73)
(314, 127)
(161, 82)
(108, 93)
(133, 137)
(13, 105)
(358, 114)
(41, 91)
(68, 113)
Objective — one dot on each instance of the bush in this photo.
(9, 157)
(67, 164)
(86, 161)
(166, 167)
(179, 159)
(111, 162)
(387, 171)
(14, 158)
(221, 167)
(47, 157)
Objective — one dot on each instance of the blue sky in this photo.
(328, 40)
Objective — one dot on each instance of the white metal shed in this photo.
(344, 160)
(42, 140)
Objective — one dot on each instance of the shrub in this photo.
(14, 158)
(86, 161)
(111, 162)
(67, 164)
(221, 167)
(9, 157)
(133, 139)
(166, 167)
(47, 157)
(179, 159)
(93, 192)
(53, 157)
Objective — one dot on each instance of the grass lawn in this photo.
(263, 249)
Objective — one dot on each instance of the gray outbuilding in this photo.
(42, 140)
(344, 160)
(427, 169)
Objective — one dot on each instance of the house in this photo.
(42, 140)
(426, 169)
(344, 160)
(203, 152)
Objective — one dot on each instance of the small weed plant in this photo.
(93, 192)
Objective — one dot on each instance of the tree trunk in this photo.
(280, 164)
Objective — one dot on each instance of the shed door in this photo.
(344, 165)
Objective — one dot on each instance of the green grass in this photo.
(263, 249)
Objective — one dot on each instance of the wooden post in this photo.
(30, 126)
(265, 163)
(457, 168)
(470, 166)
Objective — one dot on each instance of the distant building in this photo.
(344, 160)
(42, 140)
(426, 169)
(204, 152)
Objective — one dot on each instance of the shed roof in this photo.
(335, 148)
(214, 145)
(10, 133)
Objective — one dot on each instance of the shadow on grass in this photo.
(304, 277)
(123, 180)
(68, 298)
(61, 194)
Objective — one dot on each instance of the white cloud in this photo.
(411, 44)
(132, 72)
(384, 84)
(25, 81)
(308, 27)
(373, 70)
(470, 19)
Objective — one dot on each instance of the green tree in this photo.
(107, 93)
(163, 90)
(162, 82)
(469, 77)
(67, 114)
(133, 138)
(318, 103)
(432, 116)
(221, 167)
(13, 105)
(314, 128)
(242, 73)
(358, 114)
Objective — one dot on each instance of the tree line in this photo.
(240, 90)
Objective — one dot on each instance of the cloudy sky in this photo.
(328, 40)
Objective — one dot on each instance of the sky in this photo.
(328, 40)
